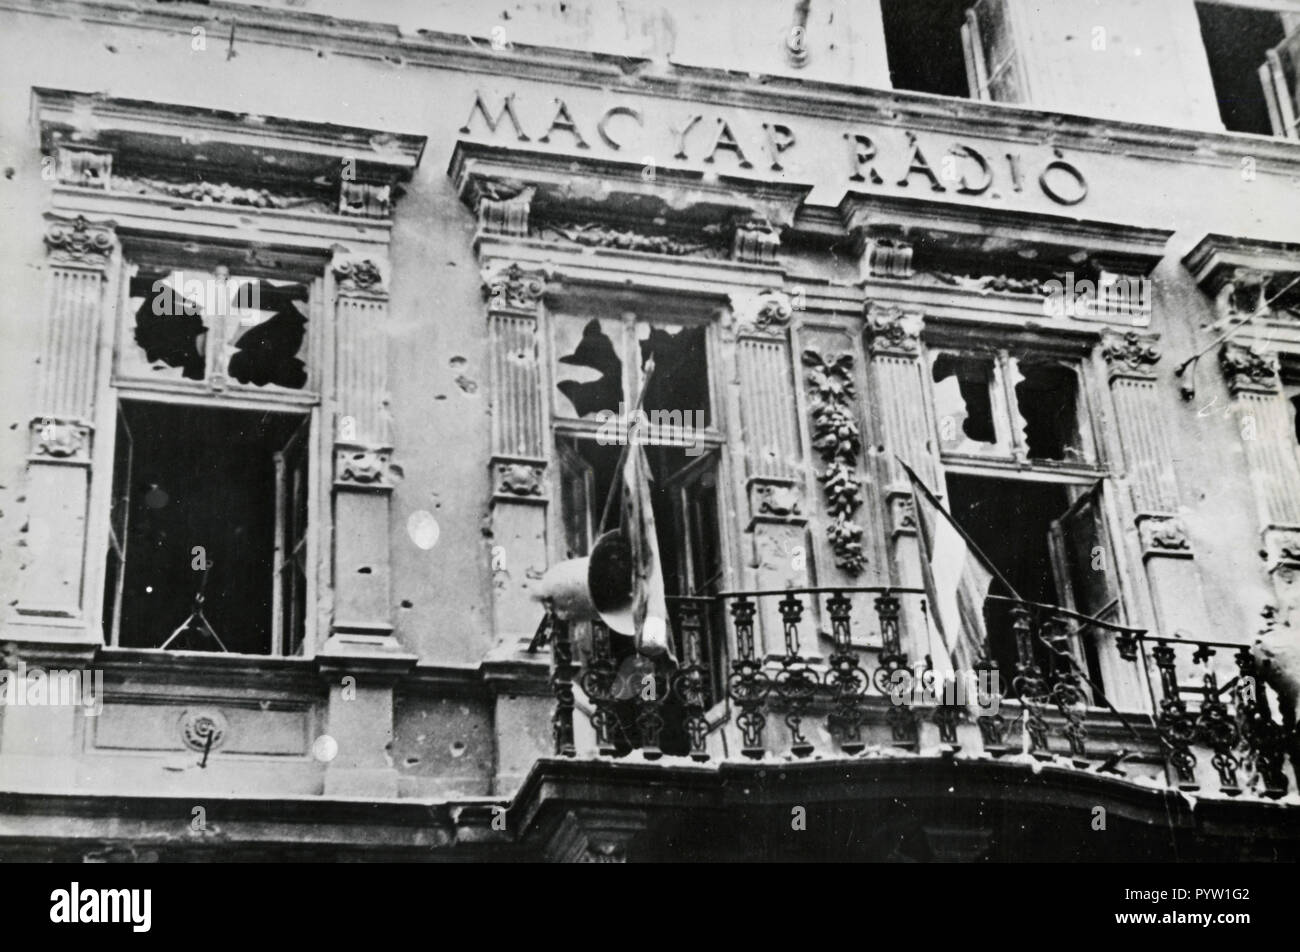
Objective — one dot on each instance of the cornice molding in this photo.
(795, 94)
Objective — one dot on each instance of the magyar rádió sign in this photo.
(883, 158)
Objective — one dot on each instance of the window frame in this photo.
(307, 268)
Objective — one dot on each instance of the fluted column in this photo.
(1268, 439)
(1148, 465)
(519, 450)
(774, 484)
(899, 397)
(53, 591)
(362, 659)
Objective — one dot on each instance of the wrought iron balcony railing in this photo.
(1233, 721)
(864, 689)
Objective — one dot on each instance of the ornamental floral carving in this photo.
(513, 287)
(597, 235)
(999, 283)
(218, 193)
(890, 329)
(361, 274)
(203, 729)
(1247, 367)
(1129, 351)
(838, 441)
(80, 241)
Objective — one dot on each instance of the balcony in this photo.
(1205, 729)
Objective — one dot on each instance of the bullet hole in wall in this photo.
(407, 603)
(365, 570)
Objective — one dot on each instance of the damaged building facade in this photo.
(323, 336)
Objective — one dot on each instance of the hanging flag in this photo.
(649, 603)
(957, 580)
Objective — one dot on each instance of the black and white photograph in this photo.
(651, 431)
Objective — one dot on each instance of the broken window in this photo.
(208, 538)
(592, 383)
(218, 328)
(996, 404)
(1280, 75)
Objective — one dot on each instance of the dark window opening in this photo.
(1237, 41)
(1050, 550)
(924, 45)
(680, 382)
(966, 411)
(1047, 398)
(228, 488)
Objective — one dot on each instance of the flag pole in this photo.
(616, 487)
(918, 483)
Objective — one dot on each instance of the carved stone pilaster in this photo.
(885, 258)
(365, 199)
(1248, 369)
(87, 167)
(503, 207)
(763, 313)
(512, 288)
(891, 330)
(756, 241)
(51, 595)
(1130, 354)
(60, 441)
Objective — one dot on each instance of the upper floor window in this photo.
(995, 403)
(953, 48)
(1253, 55)
(210, 538)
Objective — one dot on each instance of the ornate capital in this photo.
(359, 274)
(891, 330)
(365, 468)
(756, 240)
(62, 441)
(1164, 535)
(518, 480)
(513, 288)
(767, 313)
(1130, 353)
(1248, 369)
(77, 241)
(503, 206)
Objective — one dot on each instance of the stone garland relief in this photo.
(838, 441)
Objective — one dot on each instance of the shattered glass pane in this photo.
(589, 373)
(677, 394)
(258, 325)
(1047, 401)
(169, 328)
(268, 333)
(963, 397)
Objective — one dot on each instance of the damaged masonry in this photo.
(590, 435)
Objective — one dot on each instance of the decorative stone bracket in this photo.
(60, 441)
(519, 480)
(1163, 535)
(365, 468)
